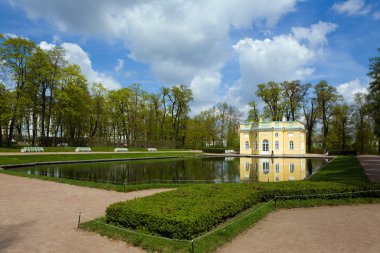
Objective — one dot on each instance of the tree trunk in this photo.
(10, 135)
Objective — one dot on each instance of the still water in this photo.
(203, 169)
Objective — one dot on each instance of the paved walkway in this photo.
(41, 216)
(371, 166)
(321, 229)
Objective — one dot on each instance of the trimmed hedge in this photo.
(214, 150)
(343, 152)
(191, 211)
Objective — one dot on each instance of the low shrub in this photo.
(214, 150)
(342, 152)
(191, 211)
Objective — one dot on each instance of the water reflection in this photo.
(196, 170)
(278, 169)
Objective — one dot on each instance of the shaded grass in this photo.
(343, 169)
(216, 239)
(20, 159)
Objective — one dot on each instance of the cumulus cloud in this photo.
(348, 89)
(352, 8)
(283, 57)
(74, 54)
(184, 41)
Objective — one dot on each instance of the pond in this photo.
(185, 170)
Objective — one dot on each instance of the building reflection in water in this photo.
(274, 169)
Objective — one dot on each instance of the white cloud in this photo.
(74, 54)
(119, 66)
(316, 34)
(376, 15)
(283, 57)
(184, 41)
(348, 90)
(352, 8)
(205, 87)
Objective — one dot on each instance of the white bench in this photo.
(121, 150)
(152, 149)
(83, 149)
(32, 149)
(229, 151)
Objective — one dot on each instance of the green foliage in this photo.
(193, 210)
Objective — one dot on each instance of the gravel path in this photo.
(371, 166)
(320, 229)
(41, 216)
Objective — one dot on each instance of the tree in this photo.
(341, 123)
(270, 93)
(311, 114)
(293, 93)
(326, 97)
(362, 124)
(253, 113)
(14, 53)
(374, 94)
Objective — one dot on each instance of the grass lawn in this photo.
(20, 159)
(344, 169)
(72, 149)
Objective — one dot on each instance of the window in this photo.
(247, 145)
(265, 167)
(277, 145)
(277, 167)
(276, 134)
(247, 166)
(255, 145)
(291, 145)
(291, 167)
(277, 178)
(265, 145)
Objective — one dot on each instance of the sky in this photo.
(219, 49)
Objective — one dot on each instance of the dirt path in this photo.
(41, 216)
(320, 229)
(371, 166)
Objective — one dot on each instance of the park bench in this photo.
(229, 151)
(152, 149)
(121, 150)
(83, 149)
(32, 149)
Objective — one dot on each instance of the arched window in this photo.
(247, 166)
(277, 167)
(247, 145)
(265, 145)
(277, 145)
(291, 167)
(291, 145)
(265, 167)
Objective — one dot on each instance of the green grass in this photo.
(216, 239)
(344, 169)
(20, 159)
(94, 149)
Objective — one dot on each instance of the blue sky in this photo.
(220, 49)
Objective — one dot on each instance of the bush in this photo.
(342, 152)
(191, 211)
(214, 150)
